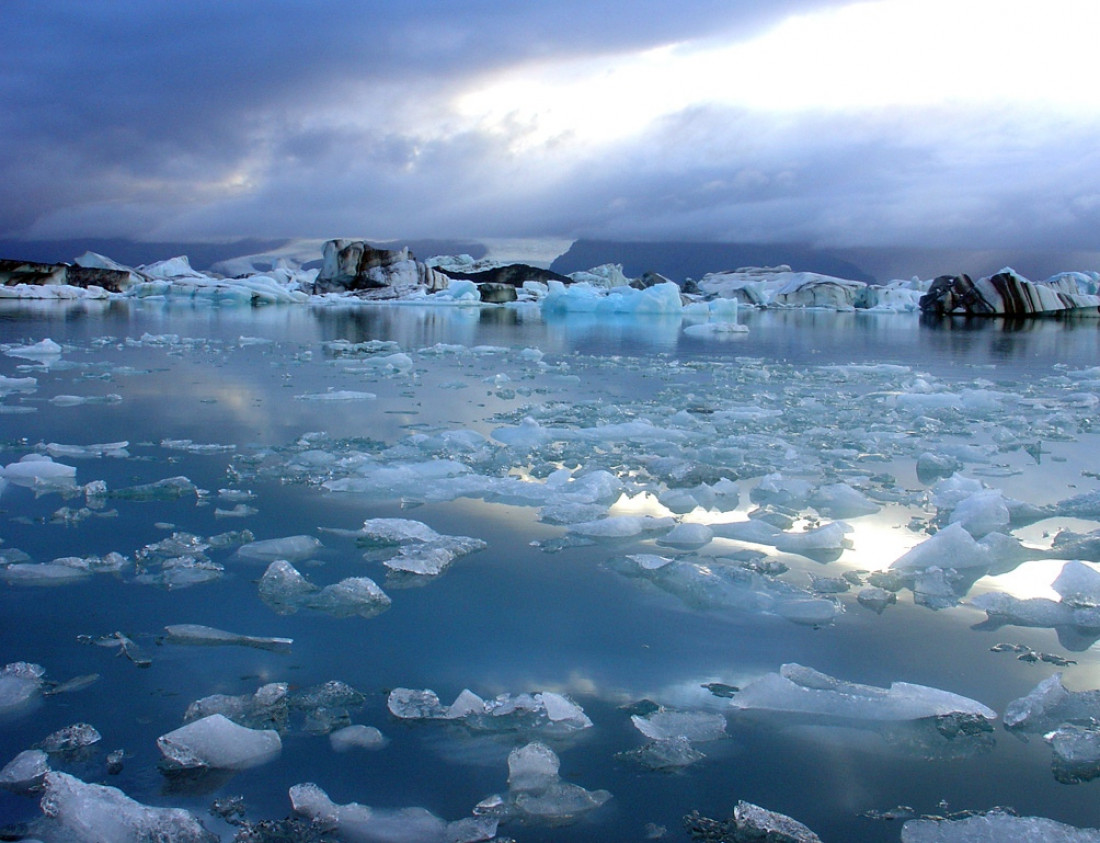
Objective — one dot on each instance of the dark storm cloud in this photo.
(334, 118)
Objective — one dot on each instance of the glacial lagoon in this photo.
(443, 537)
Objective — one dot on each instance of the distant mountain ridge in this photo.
(679, 260)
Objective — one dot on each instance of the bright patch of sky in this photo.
(874, 55)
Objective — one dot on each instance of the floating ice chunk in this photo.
(981, 513)
(217, 743)
(826, 538)
(356, 737)
(267, 708)
(931, 466)
(1078, 584)
(876, 599)
(395, 531)
(804, 690)
(337, 395)
(674, 753)
(78, 400)
(411, 704)
(358, 823)
(753, 530)
(622, 526)
(20, 685)
(536, 792)
(191, 633)
(38, 471)
(291, 549)
(951, 547)
(35, 351)
(78, 812)
(26, 772)
(781, 491)
(183, 572)
(716, 329)
(997, 825)
(42, 574)
(665, 725)
(10, 385)
(687, 535)
(169, 488)
(1050, 704)
(285, 590)
(71, 738)
(106, 449)
(1076, 753)
(839, 500)
(1033, 611)
(751, 822)
(562, 710)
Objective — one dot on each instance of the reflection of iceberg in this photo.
(714, 583)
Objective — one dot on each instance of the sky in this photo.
(894, 123)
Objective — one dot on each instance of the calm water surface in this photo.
(526, 614)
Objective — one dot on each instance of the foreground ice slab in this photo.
(996, 827)
(803, 690)
(77, 812)
(358, 823)
(217, 743)
(20, 687)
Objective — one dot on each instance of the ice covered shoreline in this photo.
(399, 278)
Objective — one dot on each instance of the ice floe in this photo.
(217, 743)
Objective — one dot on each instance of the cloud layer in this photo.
(959, 125)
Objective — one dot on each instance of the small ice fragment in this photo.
(411, 704)
(687, 535)
(876, 599)
(215, 742)
(840, 500)
(1076, 753)
(1050, 705)
(35, 351)
(622, 526)
(981, 513)
(1078, 584)
(74, 737)
(951, 547)
(357, 736)
(673, 753)
(189, 633)
(337, 395)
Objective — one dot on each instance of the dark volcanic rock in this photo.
(356, 266)
(1005, 294)
(14, 272)
(513, 274)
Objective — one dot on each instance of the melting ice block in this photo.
(1049, 705)
(37, 470)
(799, 689)
(356, 736)
(664, 725)
(216, 742)
(78, 812)
(547, 710)
(26, 772)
